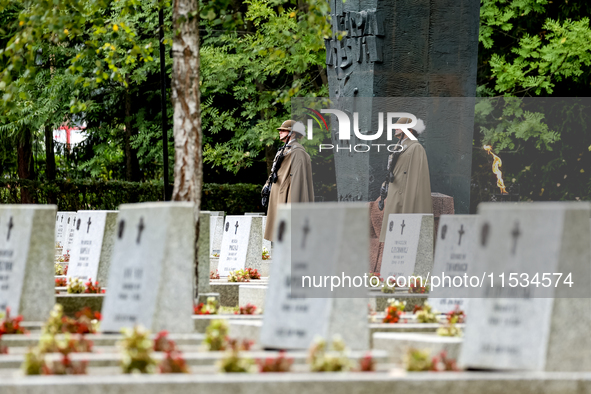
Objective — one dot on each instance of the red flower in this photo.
(392, 315)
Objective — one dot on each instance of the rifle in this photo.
(266, 192)
(392, 160)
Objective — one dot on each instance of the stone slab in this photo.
(72, 303)
(252, 294)
(203, 321)
(152, 269)
(229, 292)
(246, 329)
(213, 264)
(202, 298)
(101, 339)
(27, 260)
(393, 382)
(379, 302)
(191, 358)
(216, 234)
(205, 224)
(265, 268)
(442, 205)
(396, 344)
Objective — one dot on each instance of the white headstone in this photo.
(333, 239)
(92, 246)
(70, 232)
(216, 232)
(26, 260)
(241, 244)
(152, 265)
(61, 226)
(454, 251)
(408, 248)
(547, 328)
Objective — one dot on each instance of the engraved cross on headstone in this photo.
(515, 233)
(236, 225)
(10, 226)
(88, 227)
(140, 228)
(461, 232)
(402, 226)
(306, 231)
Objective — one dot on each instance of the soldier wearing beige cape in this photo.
(410, 188)
(294, 176)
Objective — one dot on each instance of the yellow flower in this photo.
(115, 27)
(66, 31)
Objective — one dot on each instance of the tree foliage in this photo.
(249, 76)
(534, 48)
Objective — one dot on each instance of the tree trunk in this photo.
(26, 169)
(49, 162)
(132, 167)
(188, 164)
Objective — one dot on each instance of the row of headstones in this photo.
(65, 224)
(87, 235)
(539, 329)
(146, 250)
(142, 253)
(153, 252)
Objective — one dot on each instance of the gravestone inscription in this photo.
(536, 312)
(92, 245)
(241, 244)
(26, 260)
(63, 220)
(456, 239)
(408, 248)
(151, 272)
(70, 232)
(315, 239)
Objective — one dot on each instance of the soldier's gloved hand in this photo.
(383, 195)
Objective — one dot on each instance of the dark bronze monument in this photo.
(400, 49)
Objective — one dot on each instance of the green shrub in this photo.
(76, 194)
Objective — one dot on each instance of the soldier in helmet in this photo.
(291, 176)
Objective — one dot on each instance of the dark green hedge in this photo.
(74, 195)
